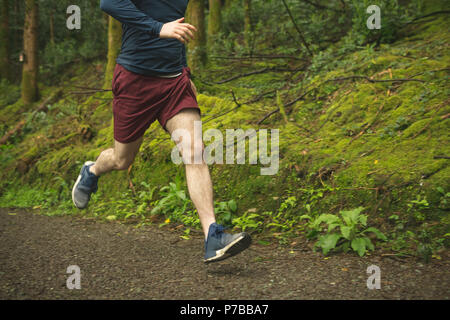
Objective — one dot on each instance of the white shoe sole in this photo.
(76, 183)
(233, 248)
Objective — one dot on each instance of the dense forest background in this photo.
(363, 117)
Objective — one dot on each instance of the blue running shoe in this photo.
(220, 245)
(85, 185)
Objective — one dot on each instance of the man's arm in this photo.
(126, 12)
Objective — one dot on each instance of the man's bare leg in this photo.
(118, 158)
(197, 175)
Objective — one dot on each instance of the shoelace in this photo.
(89, 181)
(218, 230)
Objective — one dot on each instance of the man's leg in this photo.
(218, 244)
(118, 158)
(197, 175)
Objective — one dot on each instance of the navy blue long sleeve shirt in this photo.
(143, 51)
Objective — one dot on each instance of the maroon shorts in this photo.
(139, 100)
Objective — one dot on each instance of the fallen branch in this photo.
(256, 57)
(90, 91)
(428, 15)
(368, 126)
(256, 72)
(337, 79)
(130, 183)
(268, 115)
(302, 38)
(238, 105)
(271, 113)
(372, 80)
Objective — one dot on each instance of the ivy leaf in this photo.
(328, 242)
(359, 245)
(377, 232)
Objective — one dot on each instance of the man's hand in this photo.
(178, 30)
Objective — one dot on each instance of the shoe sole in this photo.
(235, 247)
(76, 184)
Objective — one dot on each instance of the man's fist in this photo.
(178, 30)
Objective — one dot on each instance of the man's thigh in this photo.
(185, 119)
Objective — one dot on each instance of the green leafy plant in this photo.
(249, 220)
(225, 210)
(347, 231)
(444, 198)
(145, 197)
(283, 220)
(416, 208)
(174, 201)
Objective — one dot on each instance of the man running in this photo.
(151, 82)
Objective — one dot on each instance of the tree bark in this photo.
(197, 47)
(114, 45)
(52, 28)
(248, 27)
(4, 40)
(215, 17)
(30, 91)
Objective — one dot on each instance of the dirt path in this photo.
(122, 262)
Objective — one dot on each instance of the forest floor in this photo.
(120, 261)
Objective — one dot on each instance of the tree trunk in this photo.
(30, 91)
(52, 28)
(215, 17)
(247, 16)
(114, 45)
(197, 47)
(4, 40)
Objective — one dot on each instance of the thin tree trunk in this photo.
(248, 27)
(114, 45)
(215, 17)
(300, 33)
(30, 91)
(4, 40)
(52, 28)
(197, 47)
